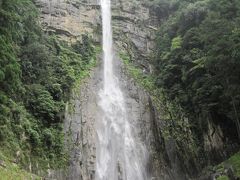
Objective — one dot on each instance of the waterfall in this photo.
(120, 156)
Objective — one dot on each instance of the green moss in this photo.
(171, 114)
(223, 178)
(220, 168)
(146, 81)
(87, 69)
(235, 162)
(38, 73)
(10, 170)
(176, 43)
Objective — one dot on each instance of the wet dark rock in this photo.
(229, 171)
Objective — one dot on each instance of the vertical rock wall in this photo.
(134, 26)
(69, 19)
(134, 30)
(80, 128)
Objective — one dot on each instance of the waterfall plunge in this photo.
(119, 155)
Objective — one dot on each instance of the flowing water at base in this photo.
(120, 156)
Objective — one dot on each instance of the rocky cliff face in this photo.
(134, 30)
(69, 19)
(134, 26)
(80, 126)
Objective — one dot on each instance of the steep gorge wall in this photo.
(134, 26)
(134, 32)
(69, 19)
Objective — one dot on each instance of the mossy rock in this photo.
(235, 162)
(223, 178)
(230, 167)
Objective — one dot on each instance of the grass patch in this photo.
(223, 178)
(145, 80)
(232, 162)
(235, 162)
(11, 171)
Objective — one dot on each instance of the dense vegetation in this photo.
(195, 85)
(37, 74)
(197, 65)
(197, 76)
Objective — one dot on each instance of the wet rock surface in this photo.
(80, 126)
(83, 112)
(143, 118)
(134, 26)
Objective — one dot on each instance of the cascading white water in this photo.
(119, 155)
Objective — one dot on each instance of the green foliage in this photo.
(197, 58)
(176, 43)
(34, 137)
(143, 79)
(84, 48)
(36, 62)
(10, 69)
(41, 103)
(197, 69)
(37, 75)
(235, 162)
(13, 171)
(223, 178)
